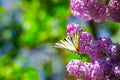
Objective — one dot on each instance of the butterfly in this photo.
(71, 42)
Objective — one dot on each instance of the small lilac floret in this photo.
(117, 72)
(115, 6)
(72, 28)
(103, 43)
(113, 52)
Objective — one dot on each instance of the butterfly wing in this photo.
(69, 43)
(76, 37)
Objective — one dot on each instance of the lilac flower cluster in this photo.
(104, 57)
(86, 71)
(96, 10)
(72, 28)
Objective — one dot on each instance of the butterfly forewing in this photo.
(70, 43)
(65, 44)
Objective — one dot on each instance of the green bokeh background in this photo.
(29, 29)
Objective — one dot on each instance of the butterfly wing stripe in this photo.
(63, 46)
(79, 33)
(59, 45)
(75, 40)
(66, 44)
(69, 40)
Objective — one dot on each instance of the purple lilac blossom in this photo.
(91, 10)
(76, 68)
(86, 71)
(86, 42)
(99, 67)
(98, 70)
(112, 69)
(115, 6)
(72, 28)
(117, 72)
(103, 43)
(113, 52)
(99, 12)
(87, 45)
(79, 9)
(96, 10)
(94, 49)
(107, 66)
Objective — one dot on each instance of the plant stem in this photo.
(93, 28)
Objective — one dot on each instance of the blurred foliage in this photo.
(30, 23)
(42, 21)
(11, 71)
(115, 31)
